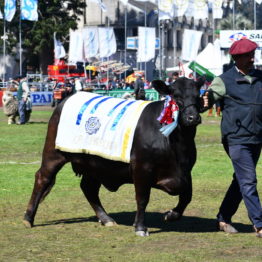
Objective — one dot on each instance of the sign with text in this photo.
(151, 94)
(227, 37)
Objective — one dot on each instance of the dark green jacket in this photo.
(241, 119)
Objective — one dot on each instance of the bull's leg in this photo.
(184, 200)
(90, 188)
(44, 180)
(142, 188)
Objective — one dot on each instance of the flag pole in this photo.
(255, 15)
(4, 49)
(125, 37)
(20, 41)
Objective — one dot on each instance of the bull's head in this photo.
(187, 96)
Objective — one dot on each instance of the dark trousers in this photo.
(244, 184)
(21, 110)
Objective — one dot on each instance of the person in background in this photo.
(23, 94)
(175, 76)
(139, 91)
(78, 85)
(240, 92)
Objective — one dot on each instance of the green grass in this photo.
(66, 229)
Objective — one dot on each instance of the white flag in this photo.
(217, 10)
(124, 2)
(107, 41)
(101, 4)
(197, 9)
(180, 7)
(91, 42)
(166, 9)
(9, 9)
(191, 43)
(76, 46)
(259, 1)
(146, 44)
(1, 15)
(59, 49)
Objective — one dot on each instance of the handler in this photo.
(240, 92)
(22, 96)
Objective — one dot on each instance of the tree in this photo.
(37, 37)
(241, 23)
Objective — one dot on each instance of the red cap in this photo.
(242, 46)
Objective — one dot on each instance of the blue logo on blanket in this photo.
(92, 125)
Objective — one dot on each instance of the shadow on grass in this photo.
(155, 220)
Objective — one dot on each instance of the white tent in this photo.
(211, 57)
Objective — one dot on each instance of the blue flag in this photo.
(9, 9)
(29, 10)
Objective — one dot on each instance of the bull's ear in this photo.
(200, 81)
(161, 87)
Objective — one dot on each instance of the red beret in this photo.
(242, 46)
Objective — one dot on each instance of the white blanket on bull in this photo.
(99, 125)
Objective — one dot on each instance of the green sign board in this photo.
(151, 94)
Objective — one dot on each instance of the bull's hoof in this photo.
(142, 233)
(171, 216)
(110, 224)
(27, 224)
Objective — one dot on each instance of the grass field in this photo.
(65, 226)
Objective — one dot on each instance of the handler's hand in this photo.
(205, 99)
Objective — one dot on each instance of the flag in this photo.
(259, 1)
(58, 48)
(190, 45)
(146, 47)
(216, 6)
(197, 9)
(107, 41)
(166, 10)
(101, 4)
(91, 42)
(124, 2)
(1, 15)
(9, 9)
(29, 10)
(76, 53)
(180, 7)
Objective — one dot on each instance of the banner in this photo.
(216, 6)
(59, 49)
(9, 9)
(146, 47)
(107, 41)
(124, 2)
(166, 10)
(180, 7)
(91, 42)
(191, 43)
(197, 9)
(227, 37)
(101, 5)
(76, 47)
(29, 10)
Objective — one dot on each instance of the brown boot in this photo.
(218, 111)
(210, 112)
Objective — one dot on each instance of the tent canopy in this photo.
(211, 57)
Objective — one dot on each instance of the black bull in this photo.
(156, 161)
